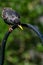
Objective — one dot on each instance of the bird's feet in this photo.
(10, 28)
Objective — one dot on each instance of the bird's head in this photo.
(11, 17)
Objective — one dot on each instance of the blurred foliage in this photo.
(23, 47)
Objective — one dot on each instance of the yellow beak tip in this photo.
(20, 27)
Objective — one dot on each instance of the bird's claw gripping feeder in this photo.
(12, 18)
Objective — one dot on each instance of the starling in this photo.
(11, 17)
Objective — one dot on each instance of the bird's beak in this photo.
(20, 27)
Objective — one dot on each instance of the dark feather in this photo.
(10, 16)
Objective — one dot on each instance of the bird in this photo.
(11, 17)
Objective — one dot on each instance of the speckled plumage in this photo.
(10, 16)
